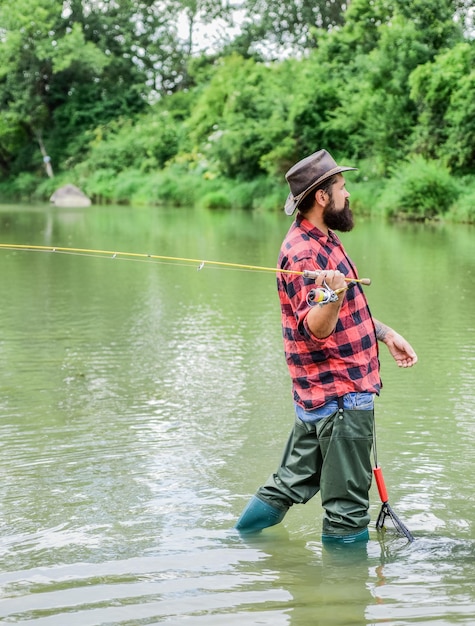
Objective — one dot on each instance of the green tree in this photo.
(375, 116)
(241, 116)
(67, 67)
(47, 62)
(444, 93)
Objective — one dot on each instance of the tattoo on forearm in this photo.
(381, 331)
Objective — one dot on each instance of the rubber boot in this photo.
(360, 536)
(258, 515)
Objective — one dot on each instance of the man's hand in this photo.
(400, 349)
(322, 320)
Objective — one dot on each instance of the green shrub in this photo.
(364, 196)
(170, 187)
(463, 209)
(24, 185)
(216, 200)
(145, 144)
(273, 201)
(128, 185)
(100, 185)
(419, 190)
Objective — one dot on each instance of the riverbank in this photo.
(417, 190)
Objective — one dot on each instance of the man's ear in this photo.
(320, 197)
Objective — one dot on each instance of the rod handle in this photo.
(315, 273)
(383, 493)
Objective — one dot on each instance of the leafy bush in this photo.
(25, 185)
(419, 189)
(216, 200)
(100, 185)
(172, 186)
(128, 185)
(364, 196)
(146, 144)
(463, 210)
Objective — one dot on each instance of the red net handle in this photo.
(378, 475)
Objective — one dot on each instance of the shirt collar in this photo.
(314, 232)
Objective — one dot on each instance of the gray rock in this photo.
(70, 196)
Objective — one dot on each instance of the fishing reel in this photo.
(322, 295)
(325, 294)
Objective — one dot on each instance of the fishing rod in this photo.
(312, 274)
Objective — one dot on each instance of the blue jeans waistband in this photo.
(361, 400)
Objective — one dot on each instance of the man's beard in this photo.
(338, 220)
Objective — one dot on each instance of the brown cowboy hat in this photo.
(307, 174)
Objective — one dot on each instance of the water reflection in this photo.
(327, 586)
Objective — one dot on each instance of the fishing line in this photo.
(115, 257)
(137, 256)
(157, 258)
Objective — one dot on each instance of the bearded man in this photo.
(331, 349)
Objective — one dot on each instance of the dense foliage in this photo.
(131, 111)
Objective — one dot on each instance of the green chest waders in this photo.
(331, 456)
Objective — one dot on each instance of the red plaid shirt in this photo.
(347, 360)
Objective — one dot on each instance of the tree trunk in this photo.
(46, 158)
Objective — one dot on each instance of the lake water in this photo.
(142, 403)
